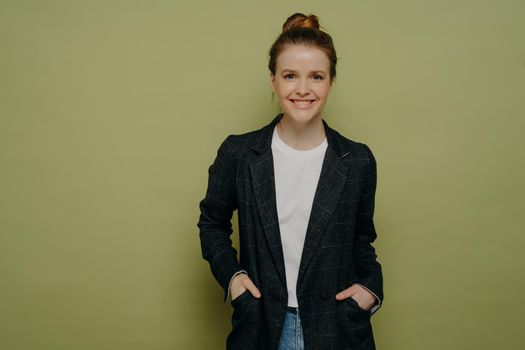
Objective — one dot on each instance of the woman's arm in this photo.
(367, 267)
(216, 211)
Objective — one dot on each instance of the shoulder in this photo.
(239, 142)
(236, 145)
(233, 146)
(358, 150)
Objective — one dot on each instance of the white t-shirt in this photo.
(296, 176)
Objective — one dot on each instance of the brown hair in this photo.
(302, 29)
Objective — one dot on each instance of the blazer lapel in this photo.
(330, 186)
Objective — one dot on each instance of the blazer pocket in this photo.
(240, 306)
(355, 317)
(356, 327)
(239, 297)
(353, 303)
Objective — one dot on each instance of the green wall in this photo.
(112, 111)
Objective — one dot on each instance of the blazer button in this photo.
(325, 294)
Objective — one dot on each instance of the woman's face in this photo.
(302, 82)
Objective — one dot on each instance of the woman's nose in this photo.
(303, 88)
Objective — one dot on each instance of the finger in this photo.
(238, 280)
(348, 292)
(237, 293)
(253, 289)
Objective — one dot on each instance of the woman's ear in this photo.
(272, 81)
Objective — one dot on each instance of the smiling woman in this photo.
(307, 275)
(300, 75)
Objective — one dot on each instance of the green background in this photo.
(112, 111)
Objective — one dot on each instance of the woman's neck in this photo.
(301, 136)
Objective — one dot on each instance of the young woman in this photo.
(307, 275)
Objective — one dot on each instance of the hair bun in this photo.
(300, 20)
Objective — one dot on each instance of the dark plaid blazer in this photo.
(337, 249)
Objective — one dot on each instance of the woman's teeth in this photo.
(302, 102)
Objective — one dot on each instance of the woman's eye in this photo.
(318, 76)
(288, 75)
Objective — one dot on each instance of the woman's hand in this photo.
(240, 283)
(363, 297)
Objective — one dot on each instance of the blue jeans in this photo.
(292, 333)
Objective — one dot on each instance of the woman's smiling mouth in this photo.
(303, 104)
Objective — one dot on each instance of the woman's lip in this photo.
(305, 106)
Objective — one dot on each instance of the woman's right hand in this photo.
(242, 282)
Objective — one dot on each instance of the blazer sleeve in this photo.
(216, 211)
(368, 268)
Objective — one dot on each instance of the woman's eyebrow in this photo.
(293, 71)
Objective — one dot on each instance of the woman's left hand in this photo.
(363, 297)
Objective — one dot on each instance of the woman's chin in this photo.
(301, 116)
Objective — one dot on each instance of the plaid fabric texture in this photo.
(337, 252)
